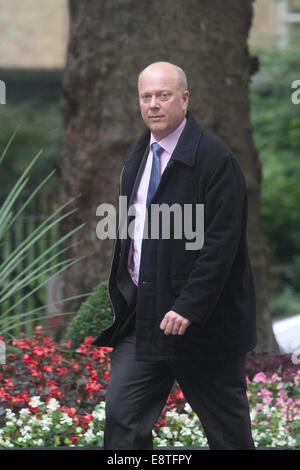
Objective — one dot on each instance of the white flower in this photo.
(35, 402)
(26, 431)
(39, 442)
(187, 407)
(24, 412)
(89, 435)
(11, 417)
(66, 419)
(46, 420)
(186, 432)
(99, 414)
(167, 432)
(52, 405)
(162, 443)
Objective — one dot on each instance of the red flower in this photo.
(9, 383)
(94, 377)
(86, 418)
(35, 373)
(4, 394)
(71, 411)
(20, 344)
(33, 409)
(83, 349)
(75, 366)
(74, 439)
(48, 369)
(62, 371)
(91, 387)
(88, 340)
(179, 395)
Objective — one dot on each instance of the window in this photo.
(289, 21)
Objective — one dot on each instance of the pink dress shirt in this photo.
(168, 144)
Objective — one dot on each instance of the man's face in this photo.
(163, 104)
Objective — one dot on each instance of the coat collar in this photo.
(185, 150)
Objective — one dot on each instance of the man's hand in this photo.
(174, 324)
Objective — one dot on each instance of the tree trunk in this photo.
(110, 43)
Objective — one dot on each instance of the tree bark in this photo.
(109, 44)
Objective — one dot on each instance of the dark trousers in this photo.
(213, 385)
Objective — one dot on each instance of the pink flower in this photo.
(266, 396)
(275, 378)
(260, 377)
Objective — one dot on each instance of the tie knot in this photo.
(157, 148)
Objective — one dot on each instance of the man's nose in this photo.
(154, 102)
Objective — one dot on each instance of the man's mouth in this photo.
(154, 118)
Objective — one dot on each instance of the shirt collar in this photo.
(169, 142)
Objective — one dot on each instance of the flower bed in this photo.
(48, 398)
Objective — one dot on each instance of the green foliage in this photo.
(16, 273)
(93, 316)
(39, 126)
(276, 124)
(286, 303)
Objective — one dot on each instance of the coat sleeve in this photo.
(225, 198)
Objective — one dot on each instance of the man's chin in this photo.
(157, 130)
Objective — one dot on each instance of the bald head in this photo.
(167, 68)
(163, 97)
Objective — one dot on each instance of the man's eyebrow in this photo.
(164, 90)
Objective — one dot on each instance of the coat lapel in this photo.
(134, 163)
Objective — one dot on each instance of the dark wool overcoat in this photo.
(213, 285)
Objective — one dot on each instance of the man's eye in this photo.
(164, 96)
(146, 97)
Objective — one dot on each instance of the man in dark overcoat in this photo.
(183, 299)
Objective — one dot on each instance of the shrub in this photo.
(94, 315)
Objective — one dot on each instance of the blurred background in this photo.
(34, 39)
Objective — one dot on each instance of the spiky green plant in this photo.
(35, 273)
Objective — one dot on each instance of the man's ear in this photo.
(186, 96)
